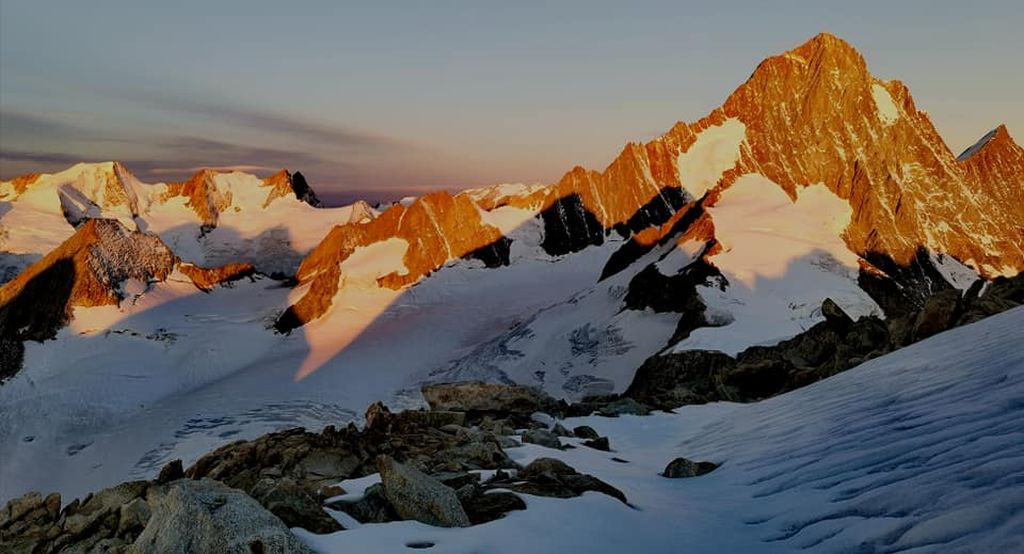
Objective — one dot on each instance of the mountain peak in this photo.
(283, 182)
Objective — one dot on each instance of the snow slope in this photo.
(781, 259)
(180, 372)
(918, 451)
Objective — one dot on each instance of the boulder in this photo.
(416, 495)
(293, 505)
(542, 437)
(682, 467)
(488, 398)
(940, 312)
(585, 432)
(561, 431)
(835, 315)
(624, 406)
(371, 508)
(208, 516)
(600, 443)
(171, 471)
(482, 507)
(555, 478)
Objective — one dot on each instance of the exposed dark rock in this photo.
(600, 443)
(493, 255)
(489, 506)
(111, 519)
(371, 508)
(835, 315)
(570, 227)
(561, 431)
(551, 477)
(940, 312)
(170, 472)
(303, 191)
(542, 437)
(585, 432)
(624, 406)
(694, 377)
(682, 467)
(294, 505)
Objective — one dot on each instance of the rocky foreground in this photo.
(446, 466)
(245, 496)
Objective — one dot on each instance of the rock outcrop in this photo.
(415, 495)
(207, 516)
(696, 376)
(682, 467)
(480, 399)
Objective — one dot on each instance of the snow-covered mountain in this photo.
(814, 181)
(212, 219)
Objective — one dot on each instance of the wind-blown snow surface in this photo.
(918, 451)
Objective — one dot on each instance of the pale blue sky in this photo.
(407, 95)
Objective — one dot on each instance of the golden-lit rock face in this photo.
(438, 227)
(86, 270)
(815, 115)
(207, 278)
(811, 115)
(203, 196)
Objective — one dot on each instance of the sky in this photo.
(387, 98)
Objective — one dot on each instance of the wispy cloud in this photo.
(336, 136)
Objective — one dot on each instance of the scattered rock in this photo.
(551, 477)
(418, 496)
(624, 406)
(489, 506)
(940, 312)
(170, 472)
(835, 315)
(682, 467)
(296, 508)
(543, 420)
(207, 516)
(542, 438)
(561, 431)
(600, 443)
(371, 508)
(585, 432)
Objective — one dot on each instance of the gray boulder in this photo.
(624, 406)
(682, 467)
(208, 516)
(542, 437)
(416, 495)
(296, 508)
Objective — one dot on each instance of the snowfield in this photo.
(918, 451)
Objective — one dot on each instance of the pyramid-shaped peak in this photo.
(996, 138)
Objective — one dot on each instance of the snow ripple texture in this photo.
(921, 450)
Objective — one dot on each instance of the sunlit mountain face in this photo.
(721, 274)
